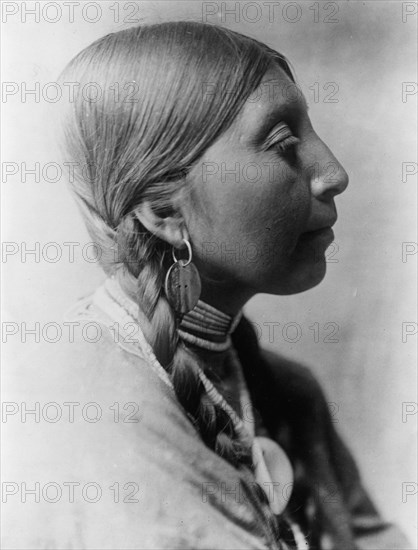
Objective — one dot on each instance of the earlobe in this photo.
(168, 228)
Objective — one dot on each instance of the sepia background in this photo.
(356, 64)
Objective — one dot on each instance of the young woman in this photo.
(186, 139)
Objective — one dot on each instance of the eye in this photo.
(286, 144)
(282, 139)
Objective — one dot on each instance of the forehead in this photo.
(276, 96)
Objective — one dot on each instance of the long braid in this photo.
(137, 258)
(181, 363)
(143, 281)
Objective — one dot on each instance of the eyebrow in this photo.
(273, 116)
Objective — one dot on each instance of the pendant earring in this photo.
(182, 283)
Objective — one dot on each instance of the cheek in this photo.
(278, 215)
(250, 225)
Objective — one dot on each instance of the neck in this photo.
(206, 329)
(229, 299)
(214, 362)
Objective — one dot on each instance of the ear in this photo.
(169, 228)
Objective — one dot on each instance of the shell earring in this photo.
(182, 283)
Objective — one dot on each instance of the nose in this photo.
(328, 176)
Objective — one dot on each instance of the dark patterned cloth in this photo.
(328, 500)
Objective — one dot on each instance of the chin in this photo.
(303, 278)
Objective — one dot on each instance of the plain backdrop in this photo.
(349, 329)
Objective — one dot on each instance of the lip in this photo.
(325, 224)
(322, 232)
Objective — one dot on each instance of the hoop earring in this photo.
(182, 283)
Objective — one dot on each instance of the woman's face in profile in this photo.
(262, 202)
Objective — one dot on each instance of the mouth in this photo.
(320, 231)
(321, 228)
(322, 234)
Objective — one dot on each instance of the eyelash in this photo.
(286, 143)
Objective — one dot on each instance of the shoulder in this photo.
(86, 393)
(104, 457)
